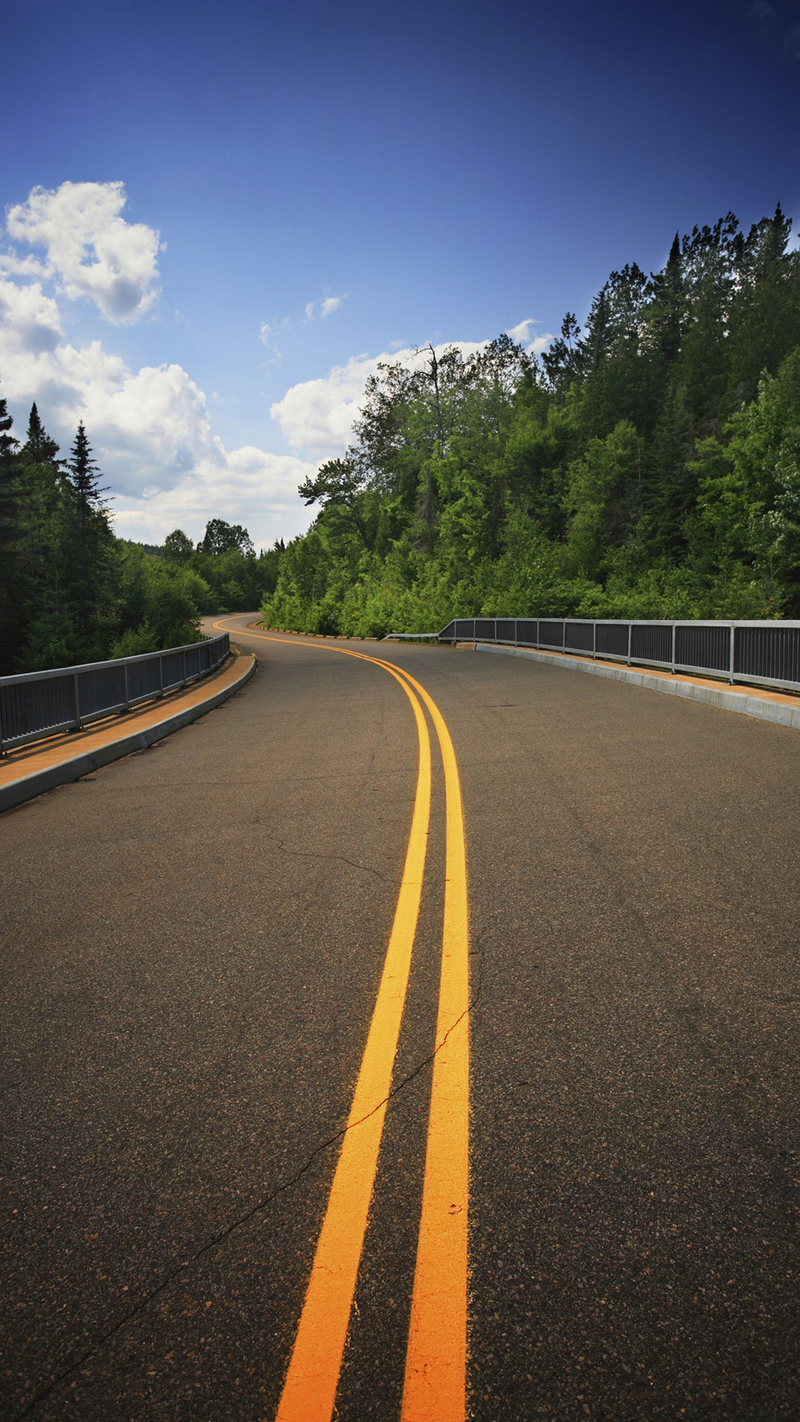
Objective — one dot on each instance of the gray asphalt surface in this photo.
(192, 942)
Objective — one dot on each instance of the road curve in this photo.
(194, 945)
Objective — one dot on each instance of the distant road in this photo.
(208, 975)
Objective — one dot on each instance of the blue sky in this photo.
(432, 172)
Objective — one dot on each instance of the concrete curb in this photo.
(29, 786)
(779, 712)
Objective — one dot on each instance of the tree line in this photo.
(645, 466)
(72, 592)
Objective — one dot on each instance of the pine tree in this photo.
(44, 507)
(85, 481)
(89, 546)
(39, 448)
(8, 541)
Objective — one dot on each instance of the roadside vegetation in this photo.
(71, 592)
(646, 466)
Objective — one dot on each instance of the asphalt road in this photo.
(193, 940)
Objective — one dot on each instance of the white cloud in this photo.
(30, 321)
(150, 430)
(91, 250)
(316, 417)
(12, 265)
(267, 334)
(522, 334)
(318, 310)
(247, 486)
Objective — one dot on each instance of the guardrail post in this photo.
(102, 698)
(674, 633)
(733, 649)
(630, 629)
(594, 640)
(564, 636)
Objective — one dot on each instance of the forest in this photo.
(647, 465)
(71, 592)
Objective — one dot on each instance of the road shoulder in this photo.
(29, 773)
(765, 704)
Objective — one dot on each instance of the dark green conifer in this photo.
(38, 448)
(9, 533)
(91, 543)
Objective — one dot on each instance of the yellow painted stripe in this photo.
(436, 1359)
(310, 1388)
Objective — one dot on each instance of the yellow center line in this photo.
(435, 1376)
(309, 1391)
(436, 1360)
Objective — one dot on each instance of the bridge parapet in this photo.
(34, 705)
(757, 653)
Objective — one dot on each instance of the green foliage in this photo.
(220, 537)
(178, 548)
(648, 466)
(71, 592)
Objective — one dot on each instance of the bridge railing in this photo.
(759, 653)
(34, 705)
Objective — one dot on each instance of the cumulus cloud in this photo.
(318, 310)
(522, 333)
(91, 250)
(30, 321)
(15, 266)
(150, 430)
(317, 416)
(247, 486)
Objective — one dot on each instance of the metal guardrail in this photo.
(38, 704)
(761, 653)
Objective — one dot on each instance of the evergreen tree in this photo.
(89, 545)
(86, 483)
(607, 479)
(43, 553)
(9, 537)
(39, 448)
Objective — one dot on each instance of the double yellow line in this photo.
(435, 1374)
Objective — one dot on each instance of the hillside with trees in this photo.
(646, 466)
(71, 592)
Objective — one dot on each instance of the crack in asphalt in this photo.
(341, 858)
(251, 1214)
